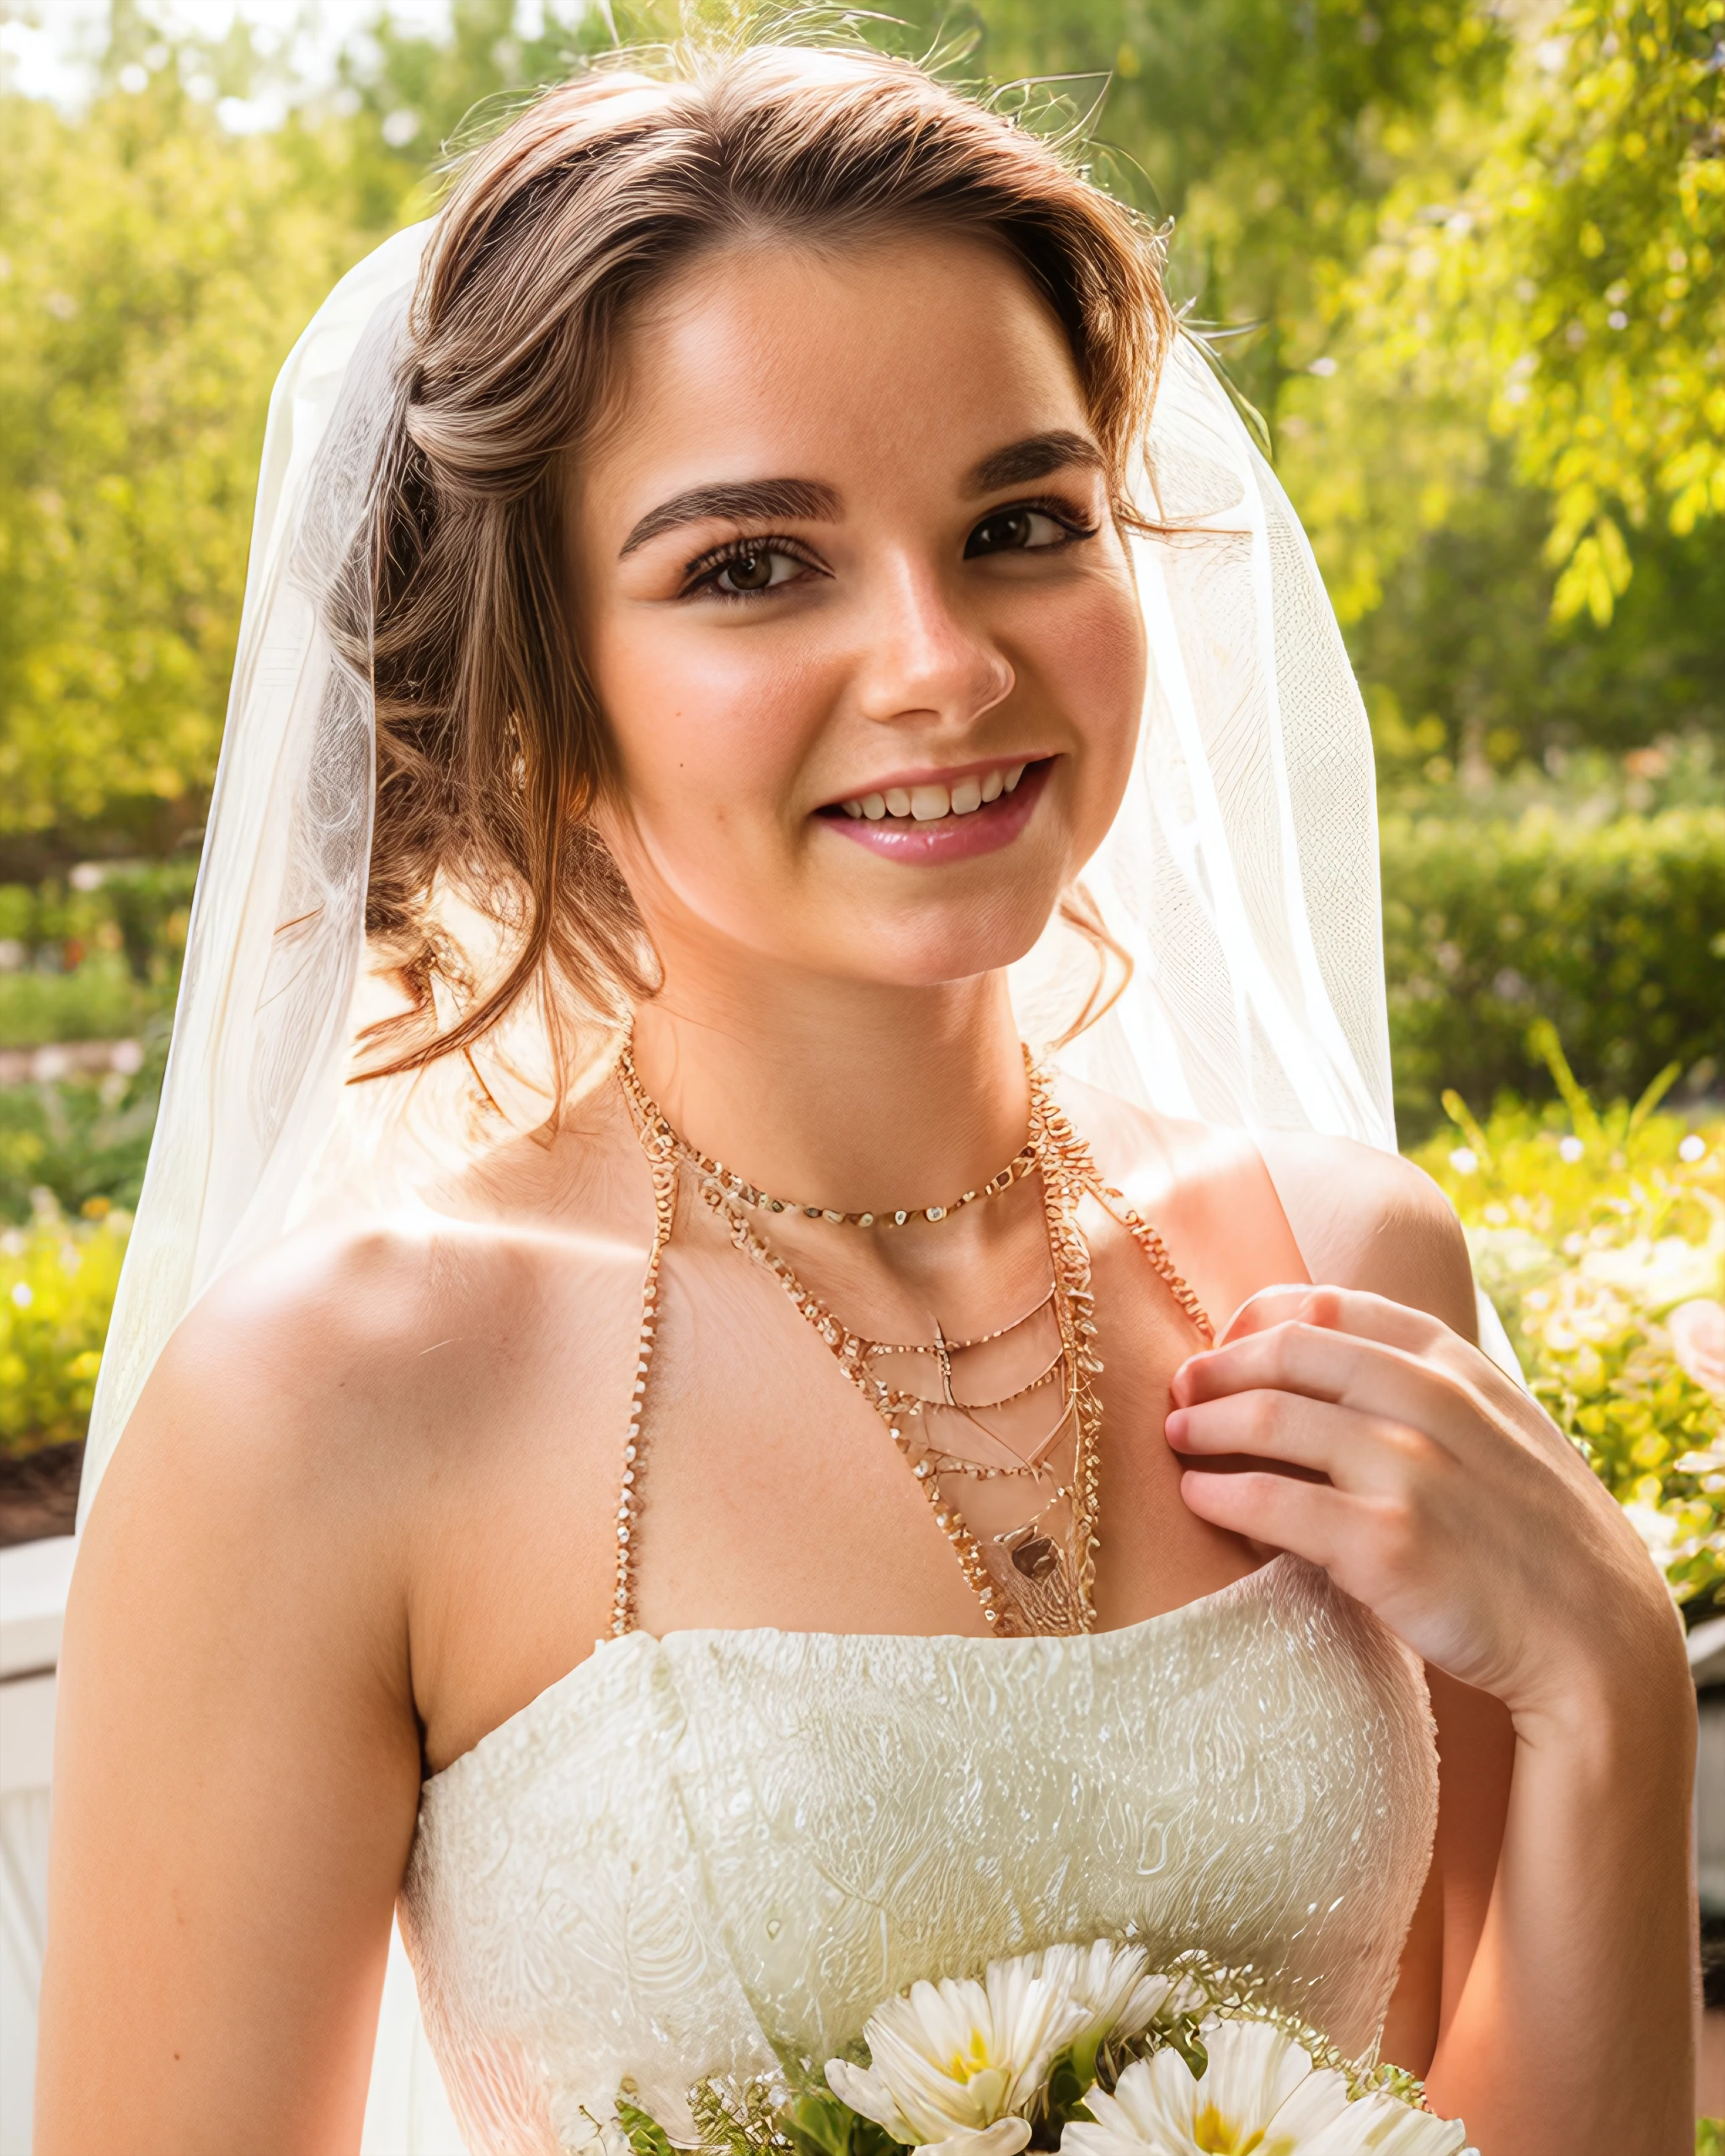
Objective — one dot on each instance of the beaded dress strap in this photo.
(662, 1166)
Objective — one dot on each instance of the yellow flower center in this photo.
(962, 2066)
(1216, 2137)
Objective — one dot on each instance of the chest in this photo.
(769, 1492)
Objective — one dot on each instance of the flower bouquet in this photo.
(1083, 2049)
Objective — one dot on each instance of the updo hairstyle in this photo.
(492, 748)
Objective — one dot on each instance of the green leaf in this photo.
(647, 2138)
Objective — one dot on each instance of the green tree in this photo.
(1261, 128)
(156, 271)
(1431, 226)
(1254, 124)
(1548, 272)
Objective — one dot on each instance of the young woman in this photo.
(752, 570)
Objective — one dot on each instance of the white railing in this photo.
(33, 1581)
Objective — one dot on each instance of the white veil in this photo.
(1240, 877)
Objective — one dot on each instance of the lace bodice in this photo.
(702, 1853)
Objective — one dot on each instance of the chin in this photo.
(982, 937)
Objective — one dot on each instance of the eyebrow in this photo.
(761, 500)
(743, 501)
(1034, 458)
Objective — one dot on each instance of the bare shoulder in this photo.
(1159, 1159)
(1366, 1219)
(266, 1461)
(1358, 1217)
(292, 1361)
(316, 1399)
(357, 1349)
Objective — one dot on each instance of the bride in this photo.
(717, 589)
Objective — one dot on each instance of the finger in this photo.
(1339, 1309)
(1356, 1452)
(1367, 1316)
(1308, 1518)
(1341, 1368)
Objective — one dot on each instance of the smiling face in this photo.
(856, 612)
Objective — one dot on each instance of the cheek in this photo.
(1092, 657)
(713, 730)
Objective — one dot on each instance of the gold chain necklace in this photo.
(1035, 1585)
(738, 1187)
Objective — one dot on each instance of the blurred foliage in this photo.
(1514, 409)
(136, 913)
(1599, 1235)
(1558, 267)
(1465, 671)
(93, 956)
(1417, 220)
(1616, 932)
(80, 1139)
(1259, 127)
(1585, 787)
(95, 1001)
(57, 1279)
(155, 271)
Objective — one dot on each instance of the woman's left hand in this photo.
(1448, 1503)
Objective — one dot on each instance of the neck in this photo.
(856, 1095)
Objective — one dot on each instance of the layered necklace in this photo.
(1037, 1574)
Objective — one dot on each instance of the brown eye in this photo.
(1017, 532)
(996, 534)
(757, 566)
(747, 572)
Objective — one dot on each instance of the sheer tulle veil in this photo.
(1240, 879)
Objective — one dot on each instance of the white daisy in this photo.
(956, 2062)
(1259, 2095)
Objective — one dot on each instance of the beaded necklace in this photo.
(1033, 1578)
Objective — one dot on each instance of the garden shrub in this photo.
(81, 1138)
(94, 957)
(57, 1279)
(1599, 1234)
(1615, 934)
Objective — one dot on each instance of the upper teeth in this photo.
(924, 803)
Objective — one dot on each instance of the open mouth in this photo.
(927, 804)
(947, 820)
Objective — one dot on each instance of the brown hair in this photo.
(492, 749)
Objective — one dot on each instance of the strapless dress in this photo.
(715, 1852)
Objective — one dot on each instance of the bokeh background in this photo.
(1464, 260)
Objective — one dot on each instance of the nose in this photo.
(924, 660)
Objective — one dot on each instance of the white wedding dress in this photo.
(715, 1853)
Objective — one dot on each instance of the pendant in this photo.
(1037, 1557)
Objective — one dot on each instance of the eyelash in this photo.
(703, 572)
(1071, 520)
(705, 568)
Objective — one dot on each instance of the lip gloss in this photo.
(947, 838)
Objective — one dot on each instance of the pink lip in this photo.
(947, 838)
